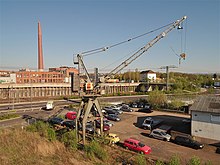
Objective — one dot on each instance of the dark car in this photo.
(69, 124)
(187, 141)
(105, 126)
(89, 128)
(146, 110)
(55, 120)
(126, 108)
(111, 111)
(113, 117)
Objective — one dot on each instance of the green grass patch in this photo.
(8, 116)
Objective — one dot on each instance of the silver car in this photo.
(160, 134)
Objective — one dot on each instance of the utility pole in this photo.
(167, 74)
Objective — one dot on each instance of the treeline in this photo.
(179, 81)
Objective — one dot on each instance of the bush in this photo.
(176, 104)
(70, 140)
(157, 98)
(175, 160)
(194, 161)
(159, 162)
(8, 116)
(95, 149)
(43, 129)
(140, 160)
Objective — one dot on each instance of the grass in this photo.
(8, 116)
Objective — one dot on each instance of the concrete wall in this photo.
(206, 125)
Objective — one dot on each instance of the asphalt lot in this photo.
(129, 126)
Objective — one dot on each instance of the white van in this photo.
(49, 105)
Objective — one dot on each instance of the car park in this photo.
(189, 142)
(113, 117)
(137, 146)
(160, 134)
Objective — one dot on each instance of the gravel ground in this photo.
(129, 127)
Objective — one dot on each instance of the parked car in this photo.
(89, 128)
(118, 110)
(69, 124)
(55, 120)
(187, 141)
(133, 105)
(117, 107)
(71, 115)
(105, 126)
(160, 134)
(111, 111)
(113, 138)
(146, 110)
(105, 122)
(126, 108)
(113, 117)
(137, 146)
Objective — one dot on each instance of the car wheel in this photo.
(164, 139)
(126, 148)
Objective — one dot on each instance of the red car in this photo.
(136, 145)
(71, 115)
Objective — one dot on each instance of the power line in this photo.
(101, 49)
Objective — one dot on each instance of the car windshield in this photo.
(163, 133)
(147, 121)
(141, 144)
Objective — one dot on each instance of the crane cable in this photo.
(101, 49)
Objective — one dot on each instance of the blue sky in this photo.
(71, 27)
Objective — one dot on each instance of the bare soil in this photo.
(130, 124)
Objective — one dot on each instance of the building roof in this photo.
(147, 71)
(208, 103)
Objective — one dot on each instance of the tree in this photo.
(157, 98)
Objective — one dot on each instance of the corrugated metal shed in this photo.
(209, 103)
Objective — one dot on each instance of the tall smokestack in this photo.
(40, 49)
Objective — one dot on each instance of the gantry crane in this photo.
(90, 101)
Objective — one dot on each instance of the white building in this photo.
(205, 114)
(9, 78)
(148, 75)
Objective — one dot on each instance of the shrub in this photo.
(70, 140)
(175, 160)
(157, 98)
(176, 104)
(8, 116)
(140, 160)
(43, 129)
(194, 161)
(95, 149)
(159, 162)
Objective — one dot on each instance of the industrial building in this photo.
(205, 113)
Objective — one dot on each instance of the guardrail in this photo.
(20, 110)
